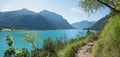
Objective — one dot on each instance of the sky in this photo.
(69, 9)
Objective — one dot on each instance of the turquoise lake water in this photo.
(42, 34)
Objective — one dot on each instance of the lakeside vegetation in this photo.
(70, 49)
(51, 47)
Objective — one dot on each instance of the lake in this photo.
(42, 34)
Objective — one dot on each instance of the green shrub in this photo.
(50, 46)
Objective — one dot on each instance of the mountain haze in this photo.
(100, 23)
(57, 20)
(83, 24)
(29, 20)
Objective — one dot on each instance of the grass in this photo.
(70, 49)
(108, 44)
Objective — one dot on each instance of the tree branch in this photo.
(108, 6)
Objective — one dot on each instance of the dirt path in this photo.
(85, 51)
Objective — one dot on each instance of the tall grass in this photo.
(70, 49)
(108, 44)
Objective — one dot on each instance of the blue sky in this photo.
(67, 8)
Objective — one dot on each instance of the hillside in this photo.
(28, 20)
(100, 23)
(108, 43)
(83, 24)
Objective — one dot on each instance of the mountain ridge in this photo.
(26, 19)
(83, 24)
(100, 23)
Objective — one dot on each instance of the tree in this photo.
(91, 6)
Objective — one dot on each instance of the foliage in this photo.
(32, 39)
(35, 53)
(91, 6)
(92, 37)
(13, 51)
(50, 46)
(22, 53)
(9, 40)
(108, 43)
(70, 49)
(34, 42)
(10, 52)
(59, 47)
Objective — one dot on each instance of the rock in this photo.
(90, 44)
(85, 51)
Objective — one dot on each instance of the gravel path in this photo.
(85, 51)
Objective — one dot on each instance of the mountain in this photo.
(100, 23)
(29, 20)
(83, 24)
(57, 20)
(8, 14)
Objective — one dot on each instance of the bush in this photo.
(50, 46)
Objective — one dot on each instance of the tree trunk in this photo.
(113, 9)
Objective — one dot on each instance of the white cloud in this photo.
(76, 10)
(7, 8)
